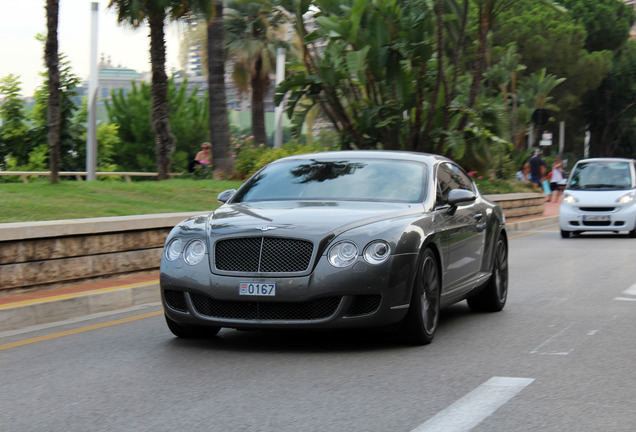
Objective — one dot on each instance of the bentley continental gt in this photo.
(337, 240)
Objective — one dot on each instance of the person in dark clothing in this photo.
(537, 168)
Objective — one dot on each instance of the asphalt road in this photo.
(560, 357)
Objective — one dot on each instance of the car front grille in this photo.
(265, 311)
(598, 209)
(262, 255)
(175, 300)
(364, 305)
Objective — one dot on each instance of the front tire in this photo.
(422, 319)
(492, 298)
(565, 234)
(189, 331)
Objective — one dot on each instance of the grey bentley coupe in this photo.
(338, 240)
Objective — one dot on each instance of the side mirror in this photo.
(457, 197)
(225, 196)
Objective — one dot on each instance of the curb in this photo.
(525, 225)
(37, 311)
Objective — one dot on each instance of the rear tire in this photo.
(492, 298)
(420, 323)
(189, 331)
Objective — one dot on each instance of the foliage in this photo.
(131, 111)
(607, 22)
(156, 13)
(71, 128)
(14, 130)
(611, 109)
(492, 185)
(253, 34)
(251, 157)
(370, 80)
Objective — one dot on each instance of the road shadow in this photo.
(321, 341)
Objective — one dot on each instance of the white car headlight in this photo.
(342, 254)
(626, 199)
(194, 252)
(174, 249)
(569, 199)
(377, 252)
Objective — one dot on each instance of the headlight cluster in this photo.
(193, 251)
(626, 199)
(569, 198)
(344, 254)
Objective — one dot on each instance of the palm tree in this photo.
(219, 122)
(53, 108)
(252, 42)
(156, 12)
(488, 11)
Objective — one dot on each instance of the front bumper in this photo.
(573, 217)
(362, 295)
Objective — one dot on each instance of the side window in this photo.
(449, 177)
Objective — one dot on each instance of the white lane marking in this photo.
(631, 291)
(539, 348)
(624, 299)
(473, 408)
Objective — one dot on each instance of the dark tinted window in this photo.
(449, 177)
(362, 180)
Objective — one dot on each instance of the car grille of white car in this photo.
(263, 255)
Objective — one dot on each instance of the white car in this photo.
(600, 195)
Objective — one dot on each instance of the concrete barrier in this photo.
(43, 253)
(519, 205)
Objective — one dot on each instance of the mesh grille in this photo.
(263, 255)
(598, 209)
(175, 300)
(266, 311)
(364, 304)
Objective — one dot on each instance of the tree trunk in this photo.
(219, 122)
(53, 108)
(259, 87)
(164, 139)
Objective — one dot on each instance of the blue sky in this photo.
(21, 54)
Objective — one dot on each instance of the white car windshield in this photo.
(333, 180)
(601, 175)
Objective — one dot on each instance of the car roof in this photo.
(605, 159)
(371, 154)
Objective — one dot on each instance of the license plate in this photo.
(257, 289)
(596, 218)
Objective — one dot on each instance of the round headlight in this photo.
(377, 252)
(194, 252)
(173, 250)
(343, 254)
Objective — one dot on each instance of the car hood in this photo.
(597, 198)
(303, 219)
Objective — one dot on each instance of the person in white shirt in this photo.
(555, 178)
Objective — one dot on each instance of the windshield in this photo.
(329, 180)
(601, 175)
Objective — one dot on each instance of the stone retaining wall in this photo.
(44, 253)
(518, 205)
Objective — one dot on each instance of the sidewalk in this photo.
(80, 299)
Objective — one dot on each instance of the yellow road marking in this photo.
(73, 295)
(532, 232)
(78, 330)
